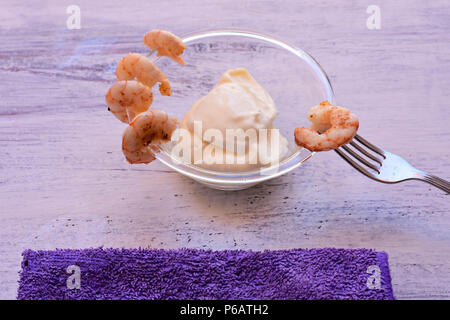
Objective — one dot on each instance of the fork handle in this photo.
(435, 181)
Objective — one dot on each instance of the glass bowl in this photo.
(295, 81)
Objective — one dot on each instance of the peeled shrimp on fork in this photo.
(126, 99)
(331, 127)
(148, 129)
(137, 66)
(166, 44)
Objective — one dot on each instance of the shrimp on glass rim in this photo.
(137, 66)
(127, 98)
(148, 129)
(166, 44)
(331, 127)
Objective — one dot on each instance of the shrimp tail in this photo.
(179, 60)
(164, 88)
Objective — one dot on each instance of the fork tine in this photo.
(396, 164)
(354, 164)
(438, 182)
(370, 146)
(439, 179)
(361, 159)
(364, 152)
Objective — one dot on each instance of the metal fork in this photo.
(383, 166)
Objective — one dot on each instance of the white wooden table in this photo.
(64, 183)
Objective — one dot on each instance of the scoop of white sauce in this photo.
(222, 126)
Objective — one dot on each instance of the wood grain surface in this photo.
(64, 182)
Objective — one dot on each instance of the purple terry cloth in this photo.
(204, 274)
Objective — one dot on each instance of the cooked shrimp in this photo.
(137, 66)
(166, 43)
(149, 128)
(331, 127)
(126, 99)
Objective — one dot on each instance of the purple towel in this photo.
(205, 274)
